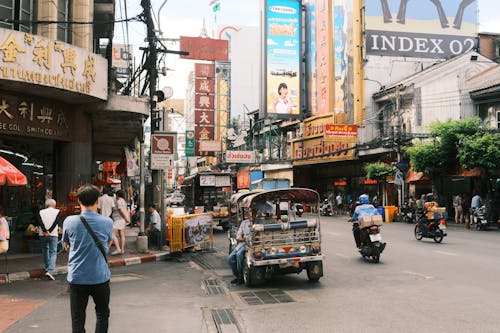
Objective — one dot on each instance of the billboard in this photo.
(200, 48)
(423, 29)
(122, 58)
(282, 58)
(324, 61)
(311, 56)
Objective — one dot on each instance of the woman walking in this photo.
(121, 218)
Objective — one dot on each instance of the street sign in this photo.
(399, 178)
(163, 148)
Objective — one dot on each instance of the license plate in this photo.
(375, 238)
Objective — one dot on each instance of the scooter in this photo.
(371, 244)
(325, 209)
(408, 213)
(435, 229)
(299, 209)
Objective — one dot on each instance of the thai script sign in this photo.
(38, 60)
(240, 156)
(341, 133)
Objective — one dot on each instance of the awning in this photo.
(475, 172)
(413, 177)
(10, 175)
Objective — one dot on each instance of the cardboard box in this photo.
(368, 221)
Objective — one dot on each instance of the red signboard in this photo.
(162, 143)
(204, 70)
(204, 133)
(204, 117)
(204, 48)
(204, 101)
(370, 182)
(341, 133)
(340, 183)
(205, 86)
(243, 179)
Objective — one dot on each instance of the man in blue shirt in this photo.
(88, 271)
(476, 202)
(363, 209)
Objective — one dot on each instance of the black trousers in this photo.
(79, 299)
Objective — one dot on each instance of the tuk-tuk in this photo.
(236, 215)
(281, 242)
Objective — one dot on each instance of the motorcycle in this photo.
(408, 213)
(434, 228)
(299, 209)
(325, 209)
(370, 240)
(482, 219)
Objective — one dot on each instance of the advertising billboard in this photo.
(324, 59)
(423, 29)
(201, 48)
(282, 69)
(311, 56)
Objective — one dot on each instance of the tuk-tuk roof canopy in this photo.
(303, 195)
(237, 197)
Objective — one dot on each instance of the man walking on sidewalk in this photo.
(49, 220)
(88, 271)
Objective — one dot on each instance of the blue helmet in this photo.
(364, 199)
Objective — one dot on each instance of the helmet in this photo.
(364, 199)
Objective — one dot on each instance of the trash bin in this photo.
(390, 211)
(381, 211)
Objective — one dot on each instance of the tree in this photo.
(379, 171)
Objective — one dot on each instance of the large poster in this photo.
(324, 58)
(283, 58)
(198, 229)
(423, 29)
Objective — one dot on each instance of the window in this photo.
(64, 14)
(18, 10)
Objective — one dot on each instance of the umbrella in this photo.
(10, 175)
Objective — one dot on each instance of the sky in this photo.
(185, 18)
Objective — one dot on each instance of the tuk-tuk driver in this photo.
(236, 259)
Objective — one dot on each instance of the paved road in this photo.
(418, 286)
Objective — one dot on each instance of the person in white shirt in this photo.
(49, 221)
(106, 202)
(153, 231)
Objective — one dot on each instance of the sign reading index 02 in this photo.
(282, 70)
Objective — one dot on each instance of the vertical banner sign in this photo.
(311, 57)
(204, 104)
(190, 143)
(423, 29)
(324, 62)
(283, 58)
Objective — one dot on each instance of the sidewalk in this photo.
(30, 265)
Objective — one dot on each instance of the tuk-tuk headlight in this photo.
(272, 251)
(303, 249)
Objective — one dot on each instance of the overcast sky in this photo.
(185, 17)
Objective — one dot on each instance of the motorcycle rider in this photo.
(363, 209)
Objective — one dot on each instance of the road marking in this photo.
(427, 277)
(341, 255)
(332, 233)
(446, 253)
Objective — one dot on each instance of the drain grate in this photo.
(273, 296)
(225, 321)
(212, 287)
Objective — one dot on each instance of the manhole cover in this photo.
(212, 287)
(126, 277)
(225, 321)
(274, 296)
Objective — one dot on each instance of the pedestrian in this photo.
(466, 202)
(121, 218)
(106, 202)
(153, 231)
(49, 220)
(88, 237)
(237, 257)
(458, 206)
(4, 233)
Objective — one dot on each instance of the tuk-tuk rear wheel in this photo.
(314, 271)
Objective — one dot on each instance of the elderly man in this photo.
(236, 259)
(49, 219)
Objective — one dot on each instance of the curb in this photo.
(60, 270)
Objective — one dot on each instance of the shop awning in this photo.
(10, 175)
(475, 172)
(413, 177)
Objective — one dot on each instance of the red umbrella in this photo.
(10, 175)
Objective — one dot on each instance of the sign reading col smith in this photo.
(38, 60)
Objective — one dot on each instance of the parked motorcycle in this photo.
(408, 213)
(435, 229)
(370, 240)
(325, 209)
(299, 209)
(482, 219)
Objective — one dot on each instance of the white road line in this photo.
(446, 253)
(427, 277)
(341, 255)
(332, 233)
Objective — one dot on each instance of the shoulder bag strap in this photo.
(94, 237)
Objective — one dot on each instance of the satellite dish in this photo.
(168, 91)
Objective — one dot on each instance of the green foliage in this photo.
(480, 150)
(464, 141)
(378, 170)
